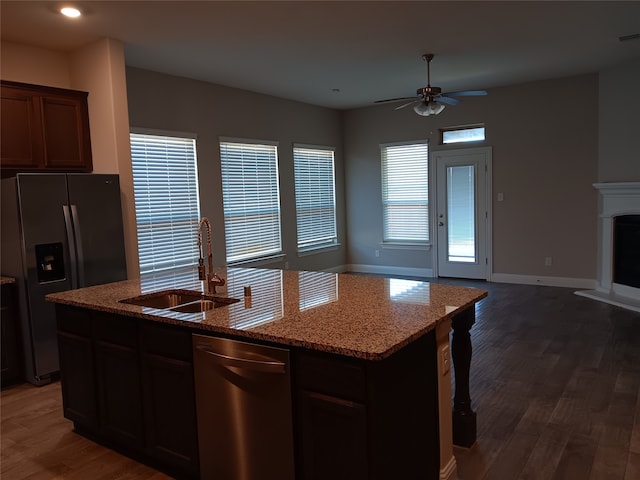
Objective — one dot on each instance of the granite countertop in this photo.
(4, 280)
(355, 315)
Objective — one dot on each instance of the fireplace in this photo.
(618, 252)
(626, 250)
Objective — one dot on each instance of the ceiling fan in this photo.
(430, 100)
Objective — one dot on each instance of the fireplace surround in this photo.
(618, 200)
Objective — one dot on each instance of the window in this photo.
(468, 133)
(251, 198)
(165, 186)
(405, 192)
(315, 197)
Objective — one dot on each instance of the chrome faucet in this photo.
(210, 278)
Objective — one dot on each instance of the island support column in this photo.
(448, 466)
(464, 418)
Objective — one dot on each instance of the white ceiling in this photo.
(344, 54)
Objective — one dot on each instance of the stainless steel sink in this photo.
(205, 304)
(185, 301)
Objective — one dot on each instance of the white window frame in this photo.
(251, 198)
(315, 189)
(165, 184)
(405, 194)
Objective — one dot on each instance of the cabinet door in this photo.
(9, 350)
(77, 377)
(44, 128)
(119, 393)
(170, 411)
(65, 134)
(334, 438)
(21, 140)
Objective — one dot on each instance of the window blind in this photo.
(251, 199)
(405, 192)
(165, 189)
(315, 197)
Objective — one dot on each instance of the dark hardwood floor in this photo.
(555, 381)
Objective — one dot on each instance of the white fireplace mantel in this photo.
(618, 198)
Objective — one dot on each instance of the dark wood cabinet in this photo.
(167, 372)
(43, 129)
(10, 336)
(129, 385)
(333, 437)
(77, 378)
(360, 419)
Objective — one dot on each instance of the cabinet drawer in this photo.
(73, 320)
(111, 328)
(166, 341)
(337, 376)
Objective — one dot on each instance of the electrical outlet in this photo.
(548, 261)
(446, 362)
(377, 253)
(286, 265)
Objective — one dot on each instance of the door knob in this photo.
(441, 224)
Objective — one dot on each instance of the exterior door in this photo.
(463, 216)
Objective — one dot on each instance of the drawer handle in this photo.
(330, 399)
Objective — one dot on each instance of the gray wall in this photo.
(165, 102)
(544, 137)
(550, 144)
(619, 100)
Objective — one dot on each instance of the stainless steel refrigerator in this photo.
(59, 232)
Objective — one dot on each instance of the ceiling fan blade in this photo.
(466, 93)
(395, 99)
(447, 100)
(407, 104)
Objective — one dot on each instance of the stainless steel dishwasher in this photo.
(243, 401)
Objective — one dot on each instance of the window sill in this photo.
(405, 246)
(314, 250)
(255, 262)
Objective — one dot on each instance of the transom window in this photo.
(251, 196)
(315, 197)
(405, 192)
(463, 134)
(165, 187)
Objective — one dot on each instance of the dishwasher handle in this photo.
(269, 366)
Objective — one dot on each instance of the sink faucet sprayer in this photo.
(210, 278)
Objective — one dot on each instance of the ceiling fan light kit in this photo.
(427, 108)
(430, 100)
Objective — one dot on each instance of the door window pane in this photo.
(461, 208)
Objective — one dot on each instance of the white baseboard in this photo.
(545, 281)
(388, 270)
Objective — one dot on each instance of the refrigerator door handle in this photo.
(68, 224)
(78, 240)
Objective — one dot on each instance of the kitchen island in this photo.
(371, 391)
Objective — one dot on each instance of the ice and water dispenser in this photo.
(49, 262)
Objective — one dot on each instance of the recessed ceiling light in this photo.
(70, 12)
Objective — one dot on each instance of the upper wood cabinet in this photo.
(44, 129)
